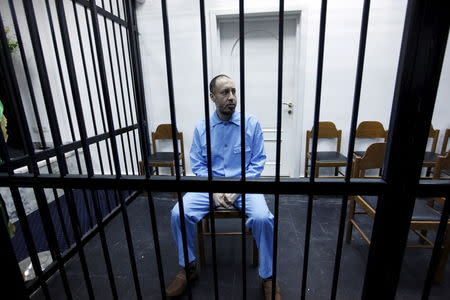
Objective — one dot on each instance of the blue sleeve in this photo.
(256, 165)
(198, 160)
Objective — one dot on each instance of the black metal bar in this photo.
(101, 11)
(10, 272)
(128, 88)
(116, 101)
(427, 25)
(122, 94)
(437, 250)
(139, 95)
(278, 142)
(165, 20)
(208, 145)
(45, 154)
(243, 175)
(351, 146)
(87, 81)
(106, 98)
(23, 221)
(68, 254)
(36, 114)
(315, 136)
(97, 85)
(142, 120)
(40, 196)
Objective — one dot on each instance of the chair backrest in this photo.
(433, 134)
(373, 159)
(371, 130)
(445, 142)
(327, 130)
(442, 163)
(164, 132)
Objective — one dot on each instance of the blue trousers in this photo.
(260, 221)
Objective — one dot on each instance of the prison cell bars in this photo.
(351, 145)
(208, 145)
(313, 186)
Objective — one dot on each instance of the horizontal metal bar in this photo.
(105, 13)
(45, 154)
(68, 254)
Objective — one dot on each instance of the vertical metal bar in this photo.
(66, 102)
(175, 137)
(315, 134)
(121, 90)
(128, 88)
(83, 134)
(23, 223)
(36, 115)
(351, 146)
(142, 121)
(40, 195)
(426, 24)
(437, 249)
(10, 272)
(243, 175)
(208, 144)
(116, 101)
(278, 141)
(104, 82)
(95, 25)
(97, 86)
(88, 85)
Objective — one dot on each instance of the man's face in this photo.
(224, 96)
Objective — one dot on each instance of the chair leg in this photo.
(443, 258)
(201, 243)
(255, 254)
(351, 214)
(336, 171)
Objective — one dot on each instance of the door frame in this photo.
(300, 15)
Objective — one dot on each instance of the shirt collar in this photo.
(235, 118)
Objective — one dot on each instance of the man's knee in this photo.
(262, 217)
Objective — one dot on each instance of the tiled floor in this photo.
(291, 243)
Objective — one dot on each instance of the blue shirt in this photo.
(226, 147)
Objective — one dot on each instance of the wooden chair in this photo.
(370, 130)
(164, 159)
(430, 157)
(335, 159)
(424, 218)
(444, 150)
(203, 229)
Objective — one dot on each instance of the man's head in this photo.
(223, 94)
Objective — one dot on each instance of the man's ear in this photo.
(211, 95)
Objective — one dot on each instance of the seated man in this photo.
(226, 162)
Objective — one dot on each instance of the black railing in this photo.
(423, 47)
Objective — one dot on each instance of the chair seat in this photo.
(430, 157)
(330, 156)
(422, 212)
(161, 157)
(359, 153)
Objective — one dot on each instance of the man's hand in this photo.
(219, 199)
(230, 198)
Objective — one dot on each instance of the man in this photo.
(226, 162)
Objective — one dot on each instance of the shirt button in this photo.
(226, 145)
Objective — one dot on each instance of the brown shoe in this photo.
(179, 284)
(267, 286)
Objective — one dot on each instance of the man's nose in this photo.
(231, 96)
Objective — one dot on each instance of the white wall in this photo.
(341, 50)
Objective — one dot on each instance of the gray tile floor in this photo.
(291, 243)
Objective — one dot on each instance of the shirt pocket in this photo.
(237, 152)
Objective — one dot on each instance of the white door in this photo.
(261, 80)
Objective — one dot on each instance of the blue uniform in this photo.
(226, 162)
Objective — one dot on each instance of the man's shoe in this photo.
(267, 286)
(179, 284)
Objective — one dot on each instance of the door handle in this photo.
(289, 104)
